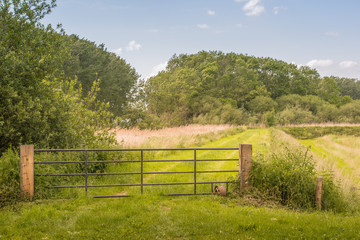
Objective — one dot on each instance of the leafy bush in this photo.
(328, 113)
(262, 104)
(351, 111)
(270, 119)
(294, 115)
(290, 177)
(213, 111)
(9, 178)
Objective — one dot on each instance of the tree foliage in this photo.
(37, 104)
(90, 62)
(263, 89)
(348, 87)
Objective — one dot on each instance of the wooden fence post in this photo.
(27, 170)
(245, 163)
(318, 192)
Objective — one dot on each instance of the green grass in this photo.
(315, 132)
(152, 216)
(341, 151)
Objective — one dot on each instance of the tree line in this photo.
(58, 90)
(216, 87)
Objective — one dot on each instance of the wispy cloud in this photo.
(277, 9)
(252, 7)
(348, 64)
(211, 13)
(332, 34)
(203, 26)
(158, 68)
(153, 30)
(240, 25)
(320, 63)
(118, 51)
(133, 46)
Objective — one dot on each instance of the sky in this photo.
(322, 34)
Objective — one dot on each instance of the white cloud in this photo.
(252, 7)
(203, 26)
(320, 63)
(211, 13)
(278, 8)
(218, 31)
(348, 64)
(153, 30)
(158, 68)
(332, 34)
(118, 51)
(133, 46)
(240, 25)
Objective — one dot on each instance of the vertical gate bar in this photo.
(195, 172)
(142, 171)
(86, 172)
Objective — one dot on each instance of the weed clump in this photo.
(290, 178)
(9, 178)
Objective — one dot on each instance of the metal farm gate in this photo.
(27, 153)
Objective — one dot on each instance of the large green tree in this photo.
(38, 105)
(90, 62)
(349, 87)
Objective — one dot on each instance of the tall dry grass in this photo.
(166, 137)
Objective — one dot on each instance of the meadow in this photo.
(153, 215)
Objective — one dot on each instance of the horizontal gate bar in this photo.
(218, 171)
(132, 150)
(137, 185)
(135, 161)
(65, 162)
(127, 173)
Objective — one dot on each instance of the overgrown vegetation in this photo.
(9, 178)
(290, 178)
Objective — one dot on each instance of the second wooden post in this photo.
(318, 192)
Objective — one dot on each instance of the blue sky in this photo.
(323, 34)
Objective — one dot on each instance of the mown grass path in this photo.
(258, 137)
(341, 151)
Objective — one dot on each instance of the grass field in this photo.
(341, 152)
(146, 217)
(153, 216)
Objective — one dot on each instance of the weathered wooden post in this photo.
(27, 170)
(245, 163)
(318, 192)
